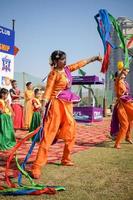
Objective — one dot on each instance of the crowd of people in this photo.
(15, 115)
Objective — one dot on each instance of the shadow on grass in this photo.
(86, 144)
(105, 144)
(95, 144)
(55, 163)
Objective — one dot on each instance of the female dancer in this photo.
(124, 106)
(59, 122)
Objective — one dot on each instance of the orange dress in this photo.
(59, 122)
(124, 110)
(28, 110)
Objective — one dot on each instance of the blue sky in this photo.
(43, 26)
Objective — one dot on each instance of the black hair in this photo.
(13, 81)
(36, 91)
(116, 75)
(56, 55)
(3, 91)
(28, 83)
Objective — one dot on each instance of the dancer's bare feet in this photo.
(70, 163)
(129, 141)
(117, 146)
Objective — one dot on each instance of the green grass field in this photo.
(101, 173)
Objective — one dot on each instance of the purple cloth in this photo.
(69, 76)
(115, 121)
(114, 127)
(126, 98)
(67, 94)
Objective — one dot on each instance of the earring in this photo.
(55, 65)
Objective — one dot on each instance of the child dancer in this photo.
(28, 95)
(16, 106)
(7, 137)
(36, 117)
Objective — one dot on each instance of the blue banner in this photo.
(7, 37)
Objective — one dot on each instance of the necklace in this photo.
(60, 71)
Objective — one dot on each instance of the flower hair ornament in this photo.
(57, 56)
(120, 65)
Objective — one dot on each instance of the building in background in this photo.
(116, 55)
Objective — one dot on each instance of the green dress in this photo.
(7, 137)
(35, 122)
(36, 117)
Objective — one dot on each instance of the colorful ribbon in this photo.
(33, 189)
(105, 23)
